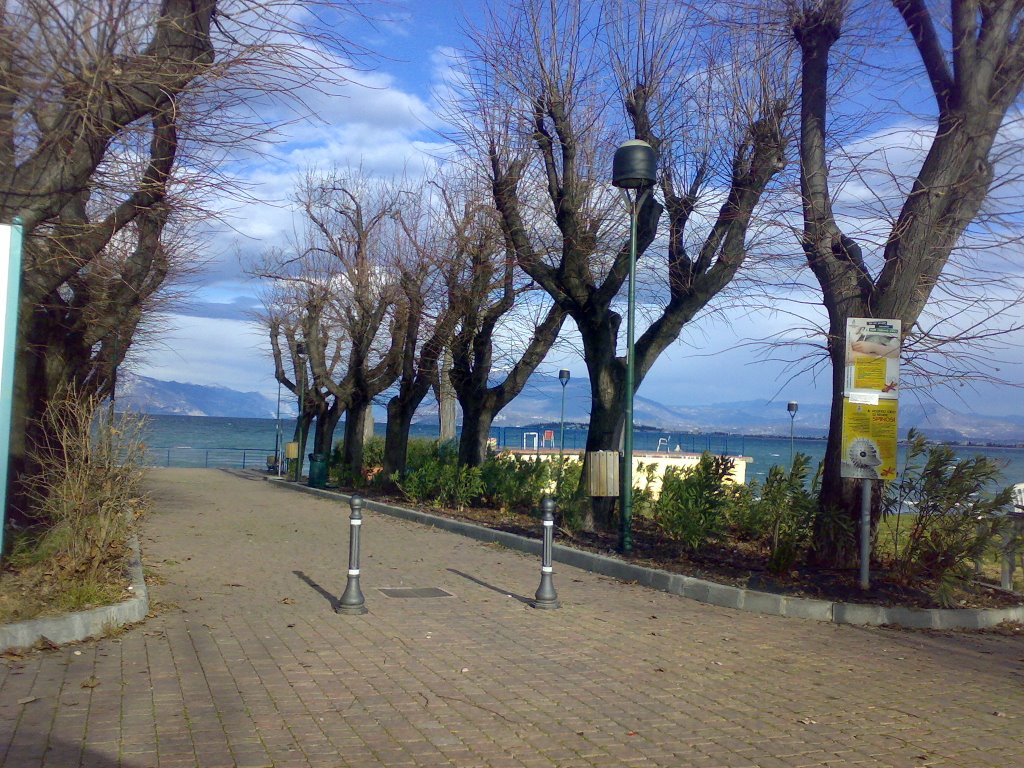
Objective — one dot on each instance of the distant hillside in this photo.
(172, 398)
(540, 403)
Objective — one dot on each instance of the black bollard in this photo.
(352, 599)
(546, 597)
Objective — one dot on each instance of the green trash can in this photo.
(317, 470)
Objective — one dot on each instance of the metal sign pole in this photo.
(10, 288)
(865, 533)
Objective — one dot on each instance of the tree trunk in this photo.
(446, 399)
(604, 434)
(355, 431)
(396, 437)
(477, 415)
(368, 424)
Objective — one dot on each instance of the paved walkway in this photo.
(246, 664)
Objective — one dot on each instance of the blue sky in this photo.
(386, 120)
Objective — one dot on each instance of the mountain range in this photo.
(541, 403)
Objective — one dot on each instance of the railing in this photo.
(186, 456)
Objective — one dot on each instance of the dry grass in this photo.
(85, 498)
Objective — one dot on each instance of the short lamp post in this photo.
(792, 407)
(300, 358)
(634, 167)
(563, 378)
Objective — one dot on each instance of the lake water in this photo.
(197, 441)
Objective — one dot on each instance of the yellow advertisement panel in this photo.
(869, 439)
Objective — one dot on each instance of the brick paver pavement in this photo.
(246, 664)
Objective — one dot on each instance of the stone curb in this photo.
(700, 590)
(80, 625)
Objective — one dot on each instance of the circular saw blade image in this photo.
(863, 457)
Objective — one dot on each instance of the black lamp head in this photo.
(635, 165)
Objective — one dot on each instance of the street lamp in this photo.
(633, 167)
(277, 430)
(563, 378)
(792, 407)
(300, 358)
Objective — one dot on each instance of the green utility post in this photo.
(10, 289)
(634, 167)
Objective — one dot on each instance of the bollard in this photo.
(352, 599)
(546, 596)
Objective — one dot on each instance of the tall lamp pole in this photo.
(563, 378)
(792, 407)
(277, 430)
(634, 167)
(300, 355)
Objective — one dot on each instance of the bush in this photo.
(942, 516)
(442, 482)
(88, 488)
(786, 511)
(513, 482)
(643, 489)
(570, 506)
(692, 505)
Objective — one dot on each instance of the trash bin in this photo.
(317, 470)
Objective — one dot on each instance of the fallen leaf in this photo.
(287, 601)
(28, 699)
(91, 682)
(997, 713)
(631, 733)
(807, 721)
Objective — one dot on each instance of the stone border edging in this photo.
(80, 625)
(702, 591)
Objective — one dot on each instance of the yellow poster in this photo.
(869, 439)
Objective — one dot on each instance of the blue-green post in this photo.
(10, 287)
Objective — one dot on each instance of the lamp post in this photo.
(633, 167)
(300, 358)
(277, 431)
(792, 407)
(563, 378)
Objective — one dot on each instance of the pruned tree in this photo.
(353, 231)
(99, 104)
(425, 256)
(547, 112)
(499, 333)
(971, 59)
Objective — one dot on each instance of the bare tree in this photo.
(546, 109)
(971, 55)
(501, 332)
(97, 101)
(427, 256)
(353, 230)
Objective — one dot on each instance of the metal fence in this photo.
(185, 456)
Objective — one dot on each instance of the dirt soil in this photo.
(738, 564)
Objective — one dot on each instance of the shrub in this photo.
(945, 516)
(570, 505)
(643, 489)
(786, 510)
(442, 482)
(513, 482)
(88, 488)
(691, 508)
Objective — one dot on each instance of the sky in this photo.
(387, 121)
